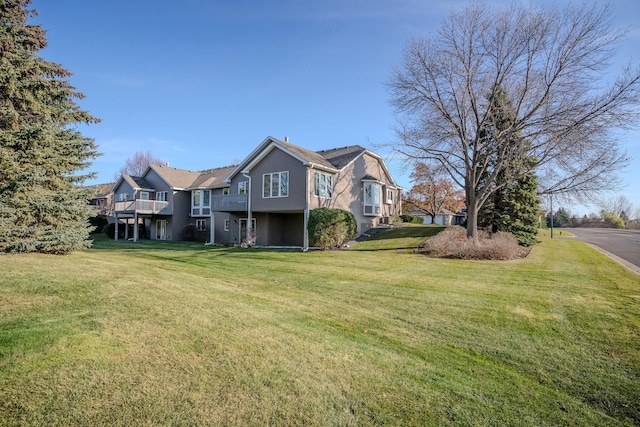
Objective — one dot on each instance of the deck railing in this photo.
(229, 203)
(140, 206)
(222, 203)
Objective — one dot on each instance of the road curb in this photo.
(634, 268)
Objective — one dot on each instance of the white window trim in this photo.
(161, 196)
(389, 196)
(243, 187)
(200, 209)
(227, 224)
(280, 186)
(325, 190)
(201, 224)
(123, 197)
(376, 208)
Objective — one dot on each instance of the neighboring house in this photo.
(265, 200)
(160, 200)
(102, 201)
(444, 217)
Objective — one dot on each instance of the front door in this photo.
(161, 229)
(243, 229)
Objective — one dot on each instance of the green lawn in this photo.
(184, 334)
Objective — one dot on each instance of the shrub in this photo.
(189, 233)
(109, 230)
(612, 220)
(453, 243)
(412, 219)
(98, 222)
(330, 228)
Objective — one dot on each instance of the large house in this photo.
(265, 200)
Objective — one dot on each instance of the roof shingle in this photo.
(341, 157)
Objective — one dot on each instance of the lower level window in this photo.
(201, 224)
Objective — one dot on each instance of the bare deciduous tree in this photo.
(550, 64)
(620, 205)
(138, 164)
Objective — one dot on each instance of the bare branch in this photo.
(550, 64)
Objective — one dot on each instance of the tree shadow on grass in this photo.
(378, 239)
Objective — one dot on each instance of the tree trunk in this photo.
(472, 222)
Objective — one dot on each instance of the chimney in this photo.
(286, 139)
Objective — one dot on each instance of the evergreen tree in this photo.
(518, 211)
(43, 207)
(561, 218)
(514, 205)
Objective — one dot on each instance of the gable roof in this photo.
(101, 190)
(332, 160)
(307, 156)
(341, 157)
(135, 182)
(176, 178)
(139, 182)
(212, 178)
(302, 154)
(182, 179)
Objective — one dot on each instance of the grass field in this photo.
(183, 334)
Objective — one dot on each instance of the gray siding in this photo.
(279, 161)
(181, 211)
(123, 187)
(222, 236)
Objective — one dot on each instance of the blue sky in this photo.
(200, 83)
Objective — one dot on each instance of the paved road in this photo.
(621, 243)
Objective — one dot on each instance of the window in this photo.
(123, 197)
(161, 196)
(201, 224)
(243, 187)
(144, 195)
(323, 184)
(225, 191)
(371, 198)
(389, 198)
(275, 184)
(200, 202)
(226, 224)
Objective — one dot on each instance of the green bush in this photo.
(330, 228)
(98, 222)
(110, 230)
(412, 219)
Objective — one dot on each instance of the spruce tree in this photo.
(43, 207)
(517, 212)
(514, 205)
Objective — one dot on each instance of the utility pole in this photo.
(551, 198)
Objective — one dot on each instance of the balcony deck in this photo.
(148, 207)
